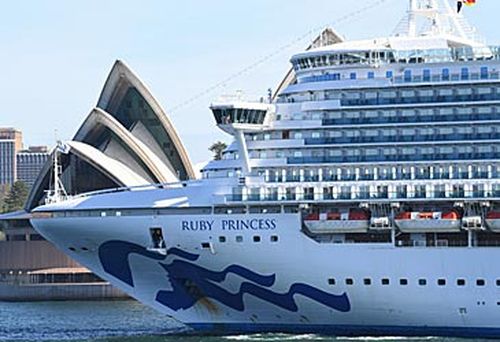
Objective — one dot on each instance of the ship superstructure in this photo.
(408, 122)
(361, 200)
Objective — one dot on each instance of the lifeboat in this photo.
(353, 221)
(493, 221)
(423, 222)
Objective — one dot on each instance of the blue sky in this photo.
(55, 54)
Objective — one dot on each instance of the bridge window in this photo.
(353, 76)
(389, 74)
(371, 75)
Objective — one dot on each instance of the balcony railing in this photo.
(385, 195)
(386, 177)
(412, 119)
(392, 158)
(402, 139)
(381, 101)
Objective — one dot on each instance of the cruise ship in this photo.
(361, 200)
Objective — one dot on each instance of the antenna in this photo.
(436, 17)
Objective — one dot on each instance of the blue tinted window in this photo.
(465, 73)
(484, 73)
(353, 75)
(407, 75)
(446, 74)
(389, 74)
(371, 75)
(427, 75)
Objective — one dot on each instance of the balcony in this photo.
(412, 119)
(402, 139)
(392, 158)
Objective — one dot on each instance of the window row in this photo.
(381, 173)
(424, 95)
(389, 153)
(408, 75)
(405, 282)
(365, 192)
(240, 239)
(386, 56)
(403, 134)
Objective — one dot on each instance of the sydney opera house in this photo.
(126, 140)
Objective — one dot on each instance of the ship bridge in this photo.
(237, 115)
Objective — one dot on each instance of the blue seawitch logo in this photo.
(192, 283)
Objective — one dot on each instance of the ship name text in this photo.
(229, 225)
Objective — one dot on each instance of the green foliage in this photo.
(217, 148)
(4, 190)
(16, 197)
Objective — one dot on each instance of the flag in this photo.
(461, 3)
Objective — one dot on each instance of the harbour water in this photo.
(122, 321)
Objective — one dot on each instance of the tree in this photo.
(16, 197)
(4, 189)
(217, 148)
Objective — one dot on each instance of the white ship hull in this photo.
(284, 286)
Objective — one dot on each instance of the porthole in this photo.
(441, 282)
(422, 282)
(480, 282)
(256, 238)
(367, 281)
(349, 281)
(403, 282)
(385, 281)
(498, 282)
(239, 238)
(331, 281)
(274, 238)
(222, 239)
(460, 282)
